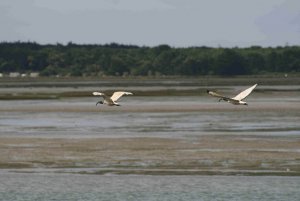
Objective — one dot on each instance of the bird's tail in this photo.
(97, 94)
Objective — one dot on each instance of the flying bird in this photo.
(237, 100)
(111, 101)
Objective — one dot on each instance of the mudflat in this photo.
(246, 155)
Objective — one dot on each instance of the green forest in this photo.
(121, 60)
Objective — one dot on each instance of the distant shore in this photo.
(54, 88)
(268, 79)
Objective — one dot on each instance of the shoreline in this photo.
(165, 81)
(152, 172)
(19, 93)
(57, 88)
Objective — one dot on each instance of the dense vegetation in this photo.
(116, 59)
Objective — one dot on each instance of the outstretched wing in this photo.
(118, 95)
(244, 93)
(212, 93)
(105, 97)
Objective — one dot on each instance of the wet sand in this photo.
(206, 155)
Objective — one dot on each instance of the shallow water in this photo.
(158, 117)
(64, 186)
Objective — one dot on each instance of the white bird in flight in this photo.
(237, 100)
(111, 101)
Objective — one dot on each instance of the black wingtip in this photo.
(207, 91)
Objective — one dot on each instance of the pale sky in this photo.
(178, 23)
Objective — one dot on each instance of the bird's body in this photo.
(237, 100)
(111, 101)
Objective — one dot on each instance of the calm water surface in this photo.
(63, 186)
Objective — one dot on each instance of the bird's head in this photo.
(99, 102)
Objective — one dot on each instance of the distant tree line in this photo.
(117, 59)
